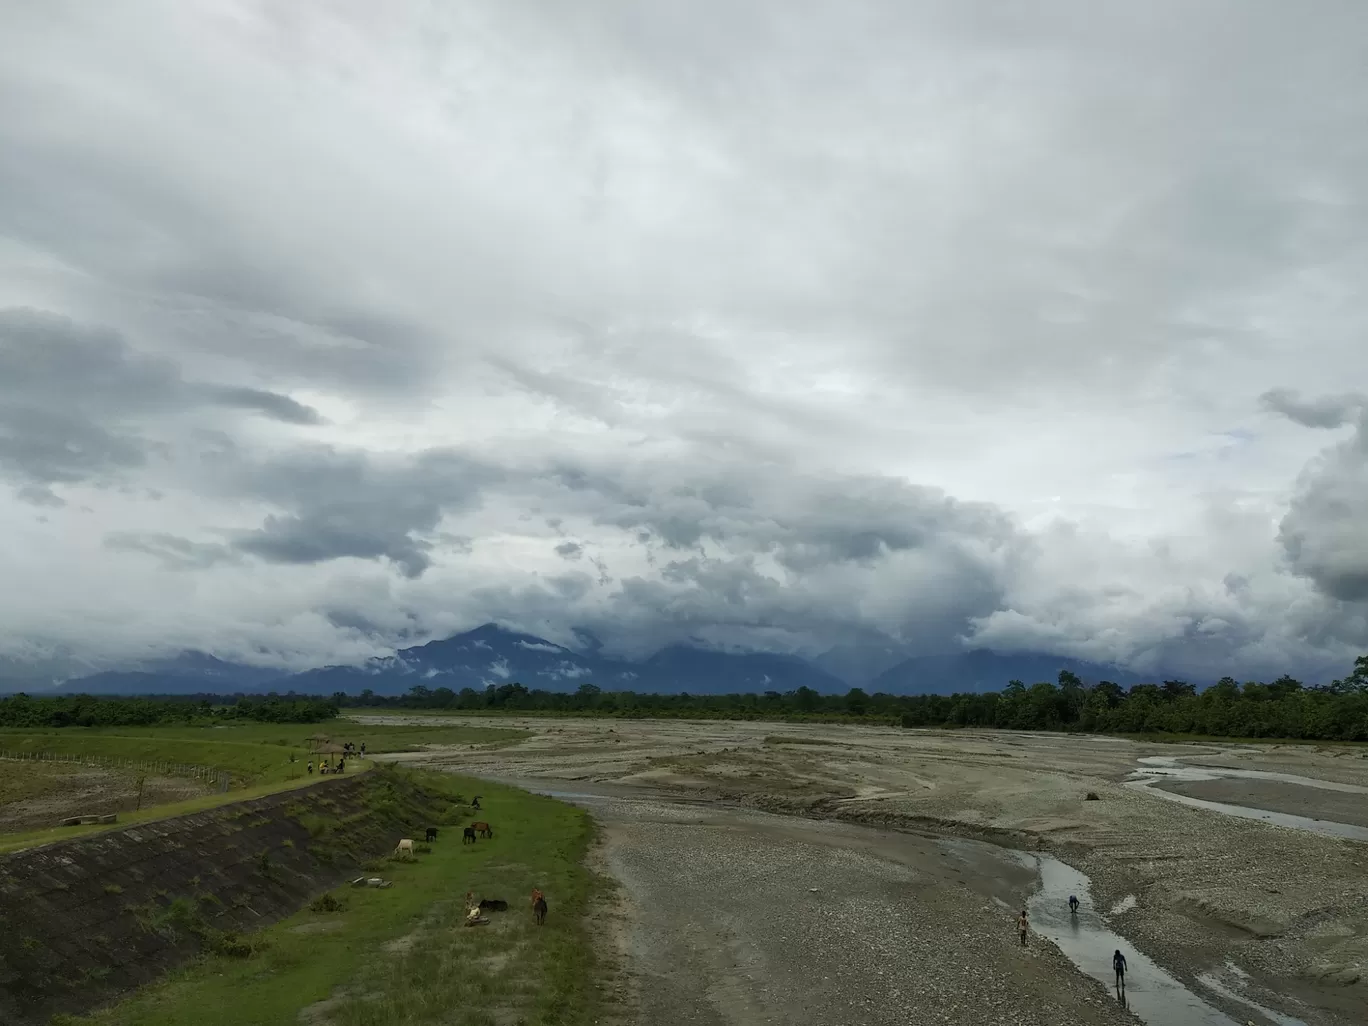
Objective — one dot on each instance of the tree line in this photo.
(1285, 708)
(24, 710)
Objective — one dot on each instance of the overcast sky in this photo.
(329, 327)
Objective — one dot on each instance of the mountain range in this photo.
(494, 655)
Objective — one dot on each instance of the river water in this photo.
(1156, 768)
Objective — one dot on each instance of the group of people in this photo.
(325, 764)
(1118, 959)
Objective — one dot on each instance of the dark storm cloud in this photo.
(76, 400)
(570, 550)
(1326, 411)
(354, 505)
(269, 404)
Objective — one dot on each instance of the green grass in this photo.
(257, 753)
(400, 955)
(257, 756)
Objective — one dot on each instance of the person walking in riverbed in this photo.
(1073, 904)
(1022, 926)
(1119, 967)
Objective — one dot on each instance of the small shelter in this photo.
(318, 741)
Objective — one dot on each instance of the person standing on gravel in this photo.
(1073, 904)
(1022, 926)
(1119, 967)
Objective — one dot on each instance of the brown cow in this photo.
(482, 828)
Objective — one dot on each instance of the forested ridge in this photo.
(89, 711)
(1284, 708)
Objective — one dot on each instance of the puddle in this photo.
(1151, 992)
(1155, 768)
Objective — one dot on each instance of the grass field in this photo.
(401, 956)
(256, 756)
(257, 753)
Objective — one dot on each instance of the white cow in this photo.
(404, 846)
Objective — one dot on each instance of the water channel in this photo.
(1157, 768)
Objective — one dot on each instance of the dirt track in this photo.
(1287, 908)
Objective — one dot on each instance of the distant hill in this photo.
(189, 673)
(495, 655)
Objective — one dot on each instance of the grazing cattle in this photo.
(494, 904)
(482, 828)
(468, 835)
(431, 834)
(539, 910)
(404, 847)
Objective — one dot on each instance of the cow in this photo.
(431, 834)
(538, 908)
(468, 835)
(493, 905)
(404, 847)
(482, 828)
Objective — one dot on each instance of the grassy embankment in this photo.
(257, 756)
(401, 955)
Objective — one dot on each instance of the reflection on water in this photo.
(1165, 767)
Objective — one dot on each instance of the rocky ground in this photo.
(748, 919)
(1208, 893)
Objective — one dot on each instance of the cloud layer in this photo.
(326, 330)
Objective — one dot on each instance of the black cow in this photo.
(431, 834)
(468, 835)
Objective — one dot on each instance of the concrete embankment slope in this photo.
(88, 919)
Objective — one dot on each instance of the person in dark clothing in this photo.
(1119, 967)
(1073, 904)
(310, 767)
(1022, 926)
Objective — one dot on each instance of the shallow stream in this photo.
(1156, 768)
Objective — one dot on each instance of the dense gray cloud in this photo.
(74, 399)
(1325, 531)
(900, 327)
(1325, 411)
